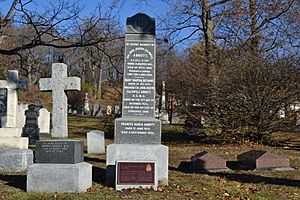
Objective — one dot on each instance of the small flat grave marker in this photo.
(206, 162)
(135, 174)
(263, 160)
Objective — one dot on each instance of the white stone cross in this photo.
(58, 83)
(12, 84)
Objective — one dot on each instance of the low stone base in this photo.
(10, 132)
(15, 160)
(59, 177)
(14, 142)
(136, 152)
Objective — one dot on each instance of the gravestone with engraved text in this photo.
(137, 132)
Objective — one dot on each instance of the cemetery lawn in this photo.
(237, 184)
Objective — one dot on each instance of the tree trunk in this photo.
(254, 40)
(208, 33)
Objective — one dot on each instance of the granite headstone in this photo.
(59, 151)
(206, 162)
(263, 160)
(31, 128)
(137, 132)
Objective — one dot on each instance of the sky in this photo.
(127, 8)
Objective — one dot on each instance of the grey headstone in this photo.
(59, 151)
(96, 109)
(31, 128)
(139, 85)
(58, 84)
(137, 132)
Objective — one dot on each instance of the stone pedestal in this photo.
(11, 138)
(15, 160)
(137, 152)
(59, 168)
(59, 177)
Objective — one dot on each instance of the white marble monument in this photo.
(14, 153)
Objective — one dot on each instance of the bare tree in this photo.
(59, 25)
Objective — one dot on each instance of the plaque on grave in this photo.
(131, 173)
(59, 151)
(31, 129)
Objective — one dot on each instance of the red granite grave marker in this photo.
(257, 159)
(205, 161)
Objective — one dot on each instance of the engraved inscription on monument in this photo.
(59, 151)
(55, 147)
(139, 77)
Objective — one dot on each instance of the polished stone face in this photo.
(58, 84)
(138, 124)
(139, 79)
(140, 24)
(59, 151)
(257, 159)
(205, 161)
(137, 131)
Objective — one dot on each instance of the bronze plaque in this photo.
(131, 173)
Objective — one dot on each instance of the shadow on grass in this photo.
(239, 177)
(182, 138)
(99, 175)
(253, 178)
(17, 181)
(88, 159)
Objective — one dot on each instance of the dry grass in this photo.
(235, 185)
